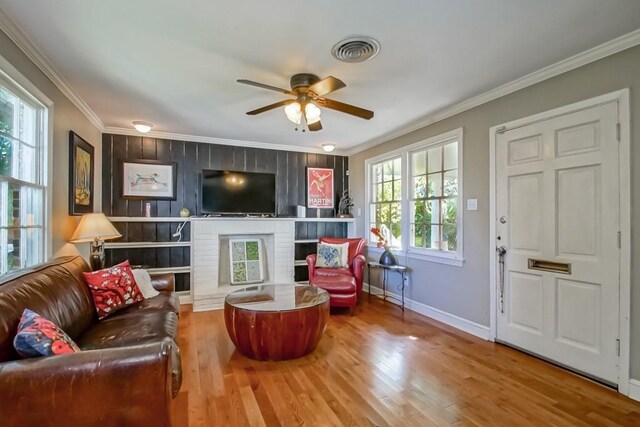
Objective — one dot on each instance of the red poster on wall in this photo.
(320, 188)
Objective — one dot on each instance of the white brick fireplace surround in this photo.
(210, 260)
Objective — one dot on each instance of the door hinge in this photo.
(619, 240)
(618, 132)
(618, 347)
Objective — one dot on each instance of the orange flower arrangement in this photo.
(381, 240)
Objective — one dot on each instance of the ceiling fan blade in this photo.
(325, 86)
(269, 107)
(264, 86)
(315, 126)
(345, 108)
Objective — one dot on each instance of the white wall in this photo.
(464, 291)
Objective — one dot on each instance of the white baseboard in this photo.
(457, 322)
(185, 297)
(634, 389)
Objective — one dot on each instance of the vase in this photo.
(387, 258)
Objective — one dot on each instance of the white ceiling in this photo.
(175, 63)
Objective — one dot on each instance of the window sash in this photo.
(380, 181)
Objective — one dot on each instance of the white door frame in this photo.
(622, 98)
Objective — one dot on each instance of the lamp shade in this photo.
(94, 226)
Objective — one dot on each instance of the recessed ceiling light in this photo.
(142, 127)
(328, 147)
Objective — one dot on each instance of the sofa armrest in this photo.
(116, 386)
(357, 269)
(163, 282)
(311, 264)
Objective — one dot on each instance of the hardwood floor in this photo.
(381, 367)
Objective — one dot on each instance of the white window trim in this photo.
(16, 78)
(431, 255)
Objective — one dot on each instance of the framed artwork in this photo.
(81, 171)
(320, 188)
(246, 261)
(149, 179)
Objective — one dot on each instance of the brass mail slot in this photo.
(554, 267)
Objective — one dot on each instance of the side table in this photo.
(400, 269)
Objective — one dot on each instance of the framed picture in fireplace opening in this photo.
(320, 188)
(246, 261)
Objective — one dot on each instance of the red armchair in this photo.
(356, 261)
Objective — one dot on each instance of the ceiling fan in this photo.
(309, 92)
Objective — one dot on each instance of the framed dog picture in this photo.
(320, 188)
(81, 171)
(149, 180)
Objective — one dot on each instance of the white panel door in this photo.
(558, 208)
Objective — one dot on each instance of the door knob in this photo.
(503, 220)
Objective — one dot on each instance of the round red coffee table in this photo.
(276, 322)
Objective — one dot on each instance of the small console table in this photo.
(400, 269)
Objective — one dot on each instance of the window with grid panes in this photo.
(386, 199)
(434, 197)
(22, 183)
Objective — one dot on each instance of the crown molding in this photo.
(588, 56)
(34, 54)
(220, 141)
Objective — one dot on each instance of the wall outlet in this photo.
(407, 282)
(472, 204)
(359, 212)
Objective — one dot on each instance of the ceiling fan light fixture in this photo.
(142, 127)
(312, 113)
(293, 112)
(328, 148)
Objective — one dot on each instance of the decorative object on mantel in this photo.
(149, 180)
(81, 172)
(320, 188)
(184, 213)
(345, 205)
(95, 228)
(387, 257)
(246, 261)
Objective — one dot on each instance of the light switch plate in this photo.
(472, 204)
(359, 212)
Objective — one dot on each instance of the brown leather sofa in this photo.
(127, 374)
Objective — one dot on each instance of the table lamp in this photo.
(95, 228)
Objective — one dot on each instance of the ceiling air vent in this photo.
(355, 49)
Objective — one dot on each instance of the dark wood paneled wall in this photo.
(191, 158)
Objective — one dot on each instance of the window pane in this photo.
(451, 183)
(449, 211)
(9, 157)
(27, 131)
(387, 191)
(31, 202)
(417, 233)
(450, 235)
(8, 103)
(419, 211)
(434, 209)
(451, 156)
(28, 164)
(377, 193)
(387, 171)
(434, 156)
(432, 239)
(397, 168)
(435, 185)
(420, 187)
(377, 173)
(11, 253)
(32, 240)
(13, 205)
(397, 189)
(419, 163)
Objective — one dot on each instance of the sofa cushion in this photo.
(165, 301)
(144, 282)
(335, 284)
(122, 330)
(113, 288)
(38, 336)
(332, 255)
(329, 272)
(55, 290)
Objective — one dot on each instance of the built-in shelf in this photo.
(325, 220)
(126, 245)
(306, 241)
(300, 263)
(176, 270)
(148, 219)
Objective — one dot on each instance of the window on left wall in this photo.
(22, 178)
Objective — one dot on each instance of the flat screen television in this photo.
(237, 193)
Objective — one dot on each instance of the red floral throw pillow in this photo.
(113, 288)
(38, 336)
